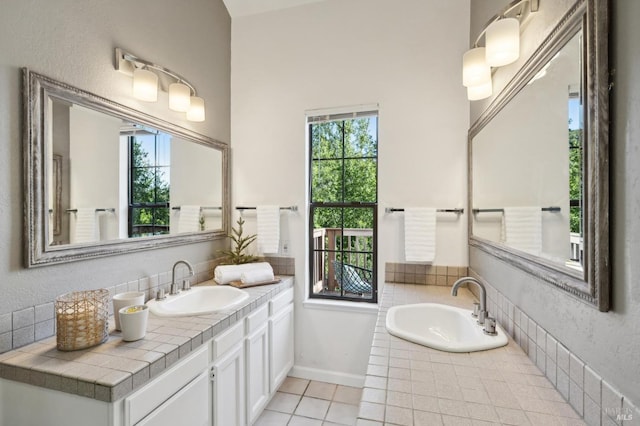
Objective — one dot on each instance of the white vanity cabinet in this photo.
(228, 377)
(257, 362)
(181, 391)
(280, 338)
(227, 381)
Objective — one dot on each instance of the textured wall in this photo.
(74, 41)
(607, 342)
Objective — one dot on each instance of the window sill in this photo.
(342, 306)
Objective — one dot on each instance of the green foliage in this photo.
(344, 169)
(236, 255)
(575, 178)
(150, 187)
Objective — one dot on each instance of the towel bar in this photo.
(110, 210)
(201, 208)
(456, 211)
(291, 208)
(551, 209)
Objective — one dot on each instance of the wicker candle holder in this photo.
(82, 319)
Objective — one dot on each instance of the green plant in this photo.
(236, 255)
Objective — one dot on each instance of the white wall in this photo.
(94, 167)
(606, 341)
(338, 53)
(73, 41)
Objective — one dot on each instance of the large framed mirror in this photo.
(104, 179)
(538, 161)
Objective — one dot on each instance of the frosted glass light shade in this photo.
(196, 110)
(145, 85)
(179, 97)
(503, 42)
(475, 70)
(475, 93)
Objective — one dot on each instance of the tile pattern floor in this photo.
(300, 402)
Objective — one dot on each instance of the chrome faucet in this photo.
(175, 289)
(482, 315)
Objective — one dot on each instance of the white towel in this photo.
(523, 228)
(189, 220)
(419, 234)
(268, 229)
(86, 229)
(256, 276)
(224, 274)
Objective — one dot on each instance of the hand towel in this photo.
(419, 234)
(268, 229)
(523, 228)
(256, 276)
(86, 229)
(224, 274)
(189, 220)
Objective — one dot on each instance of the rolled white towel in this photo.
(224, 274)
(256, 276)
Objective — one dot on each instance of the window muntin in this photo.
(343, 208)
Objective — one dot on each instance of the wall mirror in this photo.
(538, 161)
(103, 179)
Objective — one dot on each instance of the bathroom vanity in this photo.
(218, 369)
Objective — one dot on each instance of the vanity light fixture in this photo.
(182, 94)
(502, 41)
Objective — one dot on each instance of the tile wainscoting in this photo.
(33, 323)
(587, 392)
(413, 273)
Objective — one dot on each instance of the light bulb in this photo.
(145, 85)
(196, 110)
(503, 42)
(475, 70)
(475, 93)
(179, 97)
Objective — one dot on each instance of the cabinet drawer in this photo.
(257, 318)
(226, 340)
(150, 396)
(281, 300)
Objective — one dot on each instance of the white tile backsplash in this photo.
(585, 390)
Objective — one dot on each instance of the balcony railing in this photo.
(353, 246)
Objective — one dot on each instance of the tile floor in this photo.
(301, 402)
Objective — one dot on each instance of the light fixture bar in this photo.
(127, 62)
(534, 5)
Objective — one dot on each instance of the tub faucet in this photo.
(175, 289)
(483, 296)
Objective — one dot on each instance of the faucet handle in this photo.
(160, 295)
(186, 284)
(476, 310)
(490, 326)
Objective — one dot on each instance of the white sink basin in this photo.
(198, 301)
(442, 327)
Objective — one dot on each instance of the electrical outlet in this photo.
(284, 247)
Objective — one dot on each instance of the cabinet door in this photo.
(189, 406)
(229, 388)
(257, 372)
(280, 346)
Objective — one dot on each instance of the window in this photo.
(343, 194)
(149, 163)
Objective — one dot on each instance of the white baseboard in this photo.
(328, 376)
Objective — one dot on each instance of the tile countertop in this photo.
(113, 369)
(410, 384)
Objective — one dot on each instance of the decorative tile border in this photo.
(412, 273)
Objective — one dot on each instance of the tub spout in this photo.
(483, 296)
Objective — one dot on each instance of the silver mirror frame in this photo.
(36, 89)
(593, 287)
